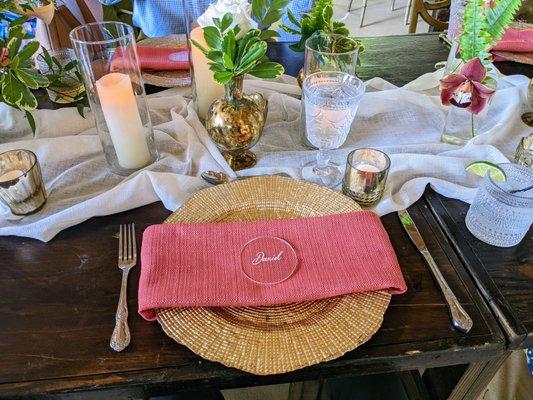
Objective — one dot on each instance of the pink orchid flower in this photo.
(465, 89)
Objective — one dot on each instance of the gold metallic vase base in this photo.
(243, 160)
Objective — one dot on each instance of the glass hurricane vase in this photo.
(235, 122)
(109, 65)
(461, 125)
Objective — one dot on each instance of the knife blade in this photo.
(460, 318)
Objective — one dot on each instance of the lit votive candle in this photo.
(207, 90)
(123, 120)
(365, 176)
(11, 175)
(21, 183)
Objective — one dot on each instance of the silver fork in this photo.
(127, 258)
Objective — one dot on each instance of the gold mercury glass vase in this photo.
(235, 122)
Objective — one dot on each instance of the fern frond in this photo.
(500, 16)
(475, 40)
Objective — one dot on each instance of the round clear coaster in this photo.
(268, 260)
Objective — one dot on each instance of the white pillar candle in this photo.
(10, 175)
(123, 120)
(207, 90)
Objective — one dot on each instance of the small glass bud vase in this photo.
(108, 62)
(461, 125)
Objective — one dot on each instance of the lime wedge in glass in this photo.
(482, 168)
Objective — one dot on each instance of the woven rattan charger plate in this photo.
(272, 340)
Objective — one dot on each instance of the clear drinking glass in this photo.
(21, 183)
(70, 85)
(323, 52)
(502, 212)
(365, 176)
(331, 101)
(108, 62)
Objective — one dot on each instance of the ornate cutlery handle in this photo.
(460, 319)
(120, 339)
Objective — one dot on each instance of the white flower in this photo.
(241, 10)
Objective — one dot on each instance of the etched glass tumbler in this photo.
(502, 212)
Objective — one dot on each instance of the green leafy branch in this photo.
(500, 16)
(320, 19)
(230, 57)
(19, 78)
(483, 26)
(268, 12)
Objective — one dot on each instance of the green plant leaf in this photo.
(216, 22)
(268, 34)
(31, 121)
(223, 77)
(200, 47)
(29, 50)
(292, 18)
(252, 56)
(327, 13)
(31, 78)
(212, 37)
(500, 16)
(48, 58)
(475, 40)
(28, 101)
(227, 20)
(216, 56)
(13, 46)
(81, 109)
(11, 89)
(229, 46)
(267, 70)
(228, 62)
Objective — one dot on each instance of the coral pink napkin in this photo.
(155, 58)
(514, 41)
(199, 265)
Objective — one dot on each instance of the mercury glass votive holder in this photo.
(365, 176)
(524, 151)
(21, 183)
(108, 62)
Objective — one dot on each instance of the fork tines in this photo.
(127, 245)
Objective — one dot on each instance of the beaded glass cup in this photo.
(502, 212)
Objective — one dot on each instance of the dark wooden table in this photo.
(58, 299)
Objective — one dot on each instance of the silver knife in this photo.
(460, 319)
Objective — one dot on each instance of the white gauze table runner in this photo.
(404, 122)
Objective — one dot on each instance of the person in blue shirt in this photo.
(166, 17)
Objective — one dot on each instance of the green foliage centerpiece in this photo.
(235, 122)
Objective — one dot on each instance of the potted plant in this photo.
(335, 37)
(20, 81)
(235, 121)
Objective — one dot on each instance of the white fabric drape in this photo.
(404, 122)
